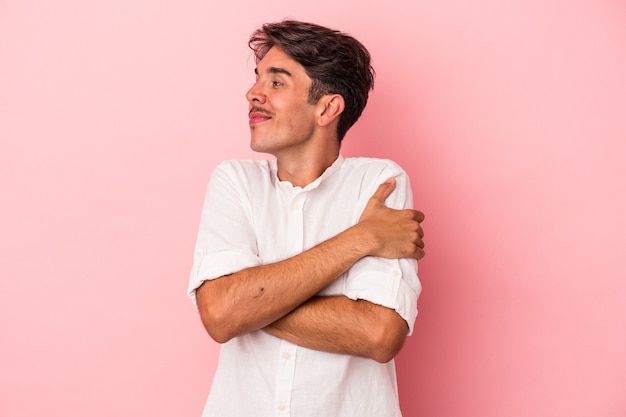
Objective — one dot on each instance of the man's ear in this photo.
(330, 107)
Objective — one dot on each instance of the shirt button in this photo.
(281, 407)
(295, 206)
(396, 273)
(286, 356)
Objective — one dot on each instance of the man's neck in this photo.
(303, 169)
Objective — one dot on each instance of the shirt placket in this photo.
(287, 352)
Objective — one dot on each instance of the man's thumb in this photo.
(385, 189)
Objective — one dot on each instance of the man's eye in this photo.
(276, 84)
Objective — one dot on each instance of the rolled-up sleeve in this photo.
(392, 283)
(226, 241)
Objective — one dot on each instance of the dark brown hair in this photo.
(336, 63)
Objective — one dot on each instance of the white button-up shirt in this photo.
(251, 218)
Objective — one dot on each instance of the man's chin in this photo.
(258, 146)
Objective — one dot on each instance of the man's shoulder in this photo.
(246, 173)
(254, 168)
(372, 165)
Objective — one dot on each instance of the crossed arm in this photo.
(261, 298)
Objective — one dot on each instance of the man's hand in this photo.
(394, 233)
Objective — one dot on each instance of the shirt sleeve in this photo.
(392, 283)
(226, 241)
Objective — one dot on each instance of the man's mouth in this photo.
(258, 115)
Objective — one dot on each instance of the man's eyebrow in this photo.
(274, 70)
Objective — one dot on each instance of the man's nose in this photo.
(255, 95)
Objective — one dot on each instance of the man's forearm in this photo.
(340, 325)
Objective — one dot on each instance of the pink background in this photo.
(510, 118)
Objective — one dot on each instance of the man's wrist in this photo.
(362, 240)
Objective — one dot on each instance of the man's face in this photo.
(281, 119)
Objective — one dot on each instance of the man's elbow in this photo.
(216, 325)
(388, 339)
(215, 319)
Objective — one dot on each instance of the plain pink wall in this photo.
(510, 118)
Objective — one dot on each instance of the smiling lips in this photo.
(258, 116)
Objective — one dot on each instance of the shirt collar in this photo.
(334, 167)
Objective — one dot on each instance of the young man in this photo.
(305, 265)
